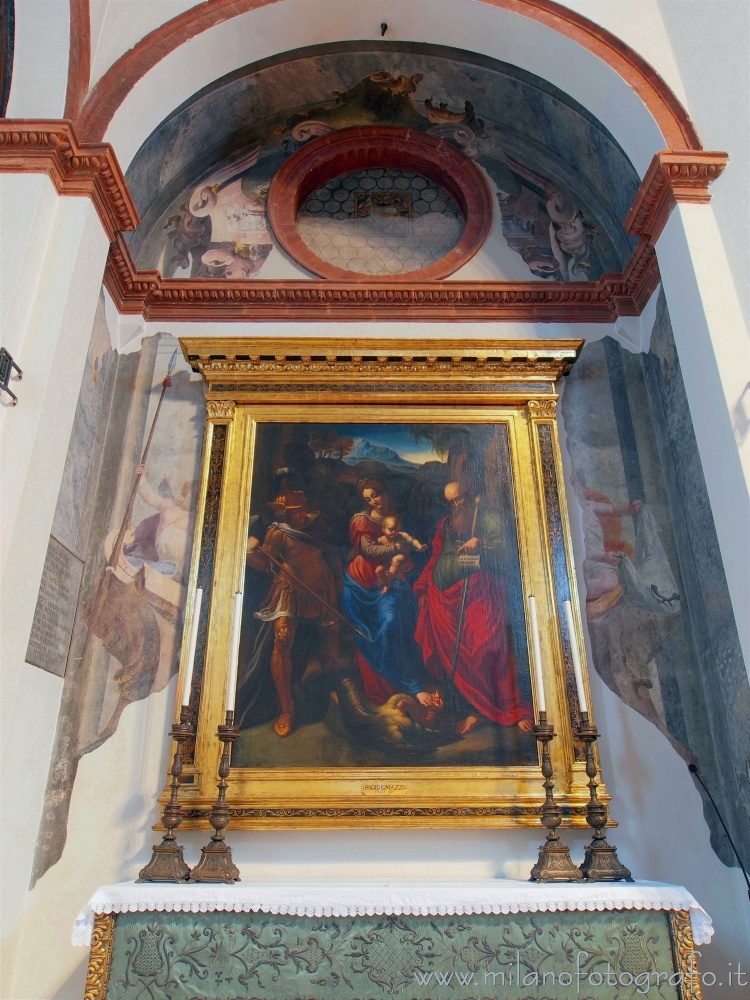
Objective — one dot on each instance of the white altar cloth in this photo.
(342, 899)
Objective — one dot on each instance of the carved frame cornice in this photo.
(241, 370)
(673, 176)
(84, 170)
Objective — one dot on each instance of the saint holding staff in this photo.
(463, 624)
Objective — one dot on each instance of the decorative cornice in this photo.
(159, 299)
(394, 365)
(130, 289)
(672, 177)
(76, 169)
(631, 291)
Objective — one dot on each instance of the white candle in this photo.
(234, 653)
(197, 601)
(537, 655)
(576, 657)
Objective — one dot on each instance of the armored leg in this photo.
(281, 672)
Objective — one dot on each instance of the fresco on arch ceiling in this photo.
(560, 183)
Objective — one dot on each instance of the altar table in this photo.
(337, 940)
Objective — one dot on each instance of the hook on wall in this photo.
(383, 28)
(7, 367)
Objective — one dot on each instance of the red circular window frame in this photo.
(363, 147)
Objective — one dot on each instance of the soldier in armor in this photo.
(291, 599)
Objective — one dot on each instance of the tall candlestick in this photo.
(197, 601)
(582, 704)
(234, 653)
(536, 648)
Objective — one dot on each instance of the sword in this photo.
(311, 592)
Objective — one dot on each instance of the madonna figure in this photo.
(389, 660)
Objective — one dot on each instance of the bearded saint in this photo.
(479, 661)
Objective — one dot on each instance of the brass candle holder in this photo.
(554, 863)
(167, 863)
(600, 863)
(216, 863)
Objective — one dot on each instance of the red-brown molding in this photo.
(362, 147)
(131, 290)
(673, 176)
(92, 170)
(114, 86)
(631, 291)
(155, 298)
(79, 57)
(76, 169)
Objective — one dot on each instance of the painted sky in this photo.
(398, 437)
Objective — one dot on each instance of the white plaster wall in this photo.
(492, 332)
(63, 292)
(28, 734)
(35, 433)
(640, 25)
(117, 25)
(27, 210)
(658, 809)
(711, 42)
(40, 62)
(59, 298)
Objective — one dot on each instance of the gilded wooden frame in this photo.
(250, 383)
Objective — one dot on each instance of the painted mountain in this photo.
(363, 451)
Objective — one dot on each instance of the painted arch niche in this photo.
(559, 185)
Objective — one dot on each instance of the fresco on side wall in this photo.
(127, 508)
(662, 632)
(658, 612)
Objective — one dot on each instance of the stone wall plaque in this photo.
(52, 628)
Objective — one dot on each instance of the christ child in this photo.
(401, 562)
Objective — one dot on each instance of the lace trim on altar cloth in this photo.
(353, 899)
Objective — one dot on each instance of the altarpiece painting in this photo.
(385, 516)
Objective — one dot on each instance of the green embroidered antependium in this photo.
(224, 956)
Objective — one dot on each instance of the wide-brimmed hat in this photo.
(291, 500)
